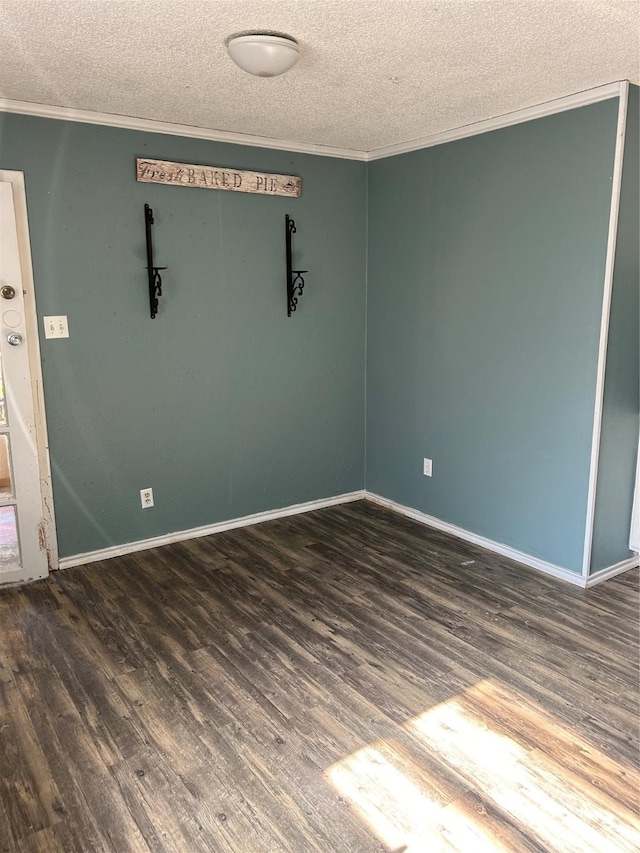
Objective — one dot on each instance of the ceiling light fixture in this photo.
(263, 54)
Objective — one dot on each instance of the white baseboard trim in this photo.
(612, 571)
(206, 530)
(497, 548)
(309, 506)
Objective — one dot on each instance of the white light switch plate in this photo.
(56, 327)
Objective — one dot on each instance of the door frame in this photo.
(48, 540)
(634, 536)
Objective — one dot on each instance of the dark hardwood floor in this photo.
(345, 680)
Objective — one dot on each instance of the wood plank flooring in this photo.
(345, 680)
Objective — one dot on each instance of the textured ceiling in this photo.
(372, 72)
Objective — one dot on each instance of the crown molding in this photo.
(580, 99)
(559, 105)
(170, 129)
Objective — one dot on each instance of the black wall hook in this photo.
(155, 279)
(295, 282)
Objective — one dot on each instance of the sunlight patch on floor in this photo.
(489, 745)
(402, 815)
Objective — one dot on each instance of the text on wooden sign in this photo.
(216, 178)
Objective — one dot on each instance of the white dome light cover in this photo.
(263, 54)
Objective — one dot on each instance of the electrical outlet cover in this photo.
(146, 498)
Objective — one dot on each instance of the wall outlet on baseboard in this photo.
(146, 498)
(427, 467)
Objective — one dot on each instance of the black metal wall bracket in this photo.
(155, 279)
(295, 282)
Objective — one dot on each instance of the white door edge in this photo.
(48, 529)
(614, 210)
(634, 538)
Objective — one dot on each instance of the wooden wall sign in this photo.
(216, 178)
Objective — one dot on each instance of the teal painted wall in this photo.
(222, 404)
(621, 404)
(486, 266)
